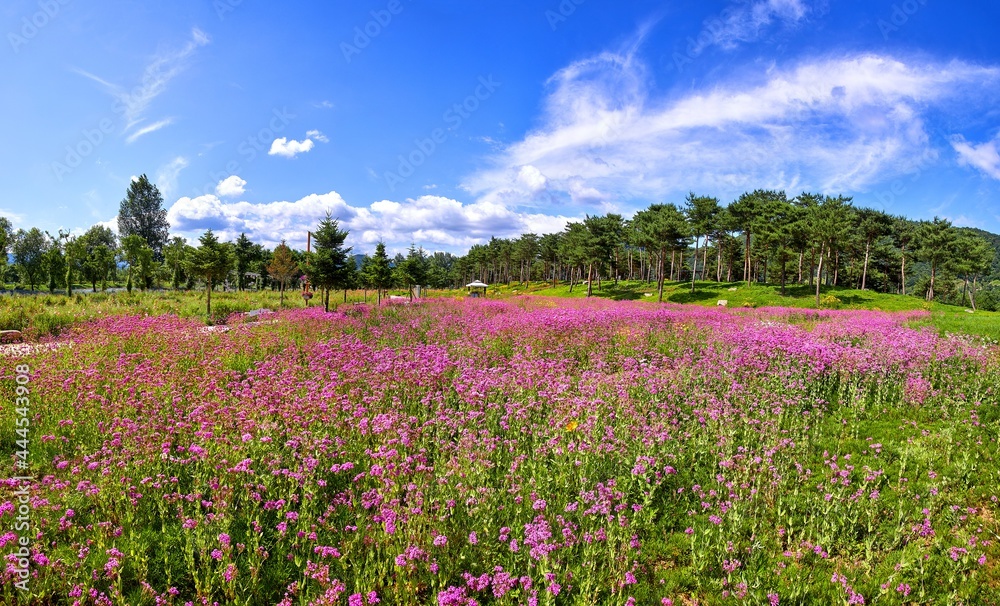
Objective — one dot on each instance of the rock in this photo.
(722, 303)
(8, 336)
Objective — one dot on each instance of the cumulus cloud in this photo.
(984, 156)
(284, 147)
(231, 187)
(289, 148)
(430, 221)
(835, 124)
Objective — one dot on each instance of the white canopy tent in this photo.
(474, 288)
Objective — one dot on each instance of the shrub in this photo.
(222, 310)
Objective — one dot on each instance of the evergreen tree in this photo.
(378, 272)
(412, 270)
(937, 241)
(211, 262)
(660, 228)
(329, 266)
(141, 213)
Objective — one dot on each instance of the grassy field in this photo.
(518, 450)
(42, 315)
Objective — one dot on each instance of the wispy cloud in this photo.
(835, 124)
(166, 176)
(747, 21)
(317, 136)
(165, 66)
(145, 130)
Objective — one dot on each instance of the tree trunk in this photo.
(864, 273)
(836, 267)
(704, 259)
(746, 260)
(694, 263)
(590, 279)
(208, 297)
(819, 275)
(972, 297)
(673, 255)
(659, 273)
(281, 296)
(801, 254)
(930, 291)
(902, 270)
(718, 262)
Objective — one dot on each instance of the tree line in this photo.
(763, 236)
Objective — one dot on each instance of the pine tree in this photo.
(329, 266)
(141, 213)
(211, 262)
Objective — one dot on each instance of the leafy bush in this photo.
(988, 300)
(222, 310)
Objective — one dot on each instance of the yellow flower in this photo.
(572, 425)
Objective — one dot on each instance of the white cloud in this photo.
(289, 148)
(163, 68)
(166, 176)
(746, 22)
(230, 187)
(832, 124)
(531, 178)
(985, 156)
(317, 136)
(430, 221)
(149, 129)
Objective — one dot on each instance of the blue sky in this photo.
(443, 122)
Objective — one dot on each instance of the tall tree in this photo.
(749, 213)
(98, 242)
(55, 265)
(701, 213)
(141, 213)
(412, 270)
(131, 252)
(75, 251)
(211, 262)
(6, 244)
(904, 232)
(243, 251)
(173, 257)
(329, 266)
(660, 228)
(378, 272)
(975, 260)
(937, 242)
(872, 225)
(282, 268)
(827, 224)
(29, 255)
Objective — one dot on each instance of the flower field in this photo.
(524, 451)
